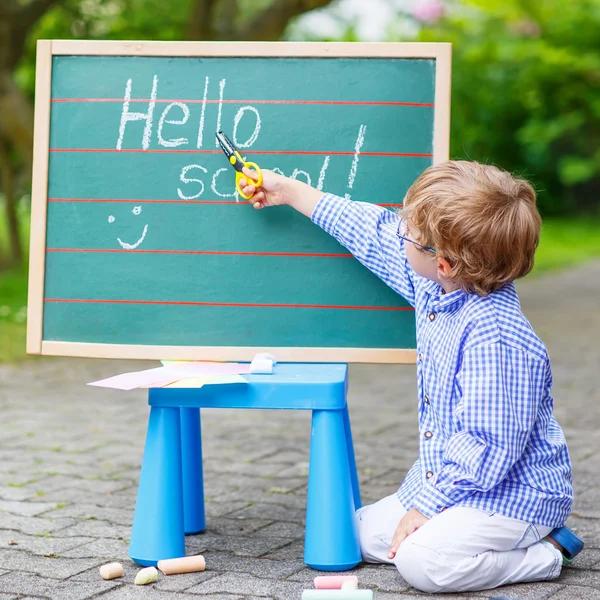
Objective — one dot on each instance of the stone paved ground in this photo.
(70, 457)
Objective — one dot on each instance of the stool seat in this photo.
(290, 386)
(170, 501)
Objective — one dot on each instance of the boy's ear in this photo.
(444, 267)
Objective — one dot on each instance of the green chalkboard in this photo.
(143, 248)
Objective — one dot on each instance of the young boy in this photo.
(485, 503)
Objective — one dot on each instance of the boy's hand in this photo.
(270, 193)
(409, 523)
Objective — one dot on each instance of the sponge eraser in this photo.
(337, 595)
(333, 582)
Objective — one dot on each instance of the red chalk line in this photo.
(225, 304)
(173, 201)
(274, 152)
(196, 101)
(202, 252)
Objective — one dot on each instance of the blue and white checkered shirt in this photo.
(487, 435)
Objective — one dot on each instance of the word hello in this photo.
(193, 176)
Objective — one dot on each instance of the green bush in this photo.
(526, 93)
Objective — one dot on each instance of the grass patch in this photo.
(13, 314)
(567, 243)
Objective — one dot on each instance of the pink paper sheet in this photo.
(131, 381)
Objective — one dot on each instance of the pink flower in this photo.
(428, 11)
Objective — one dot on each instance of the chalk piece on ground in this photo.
(147, 575)
(333, 582)
(337, 595)
(111, 570)
(186, 564)
(349, 585)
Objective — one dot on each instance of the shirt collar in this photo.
(441, 300)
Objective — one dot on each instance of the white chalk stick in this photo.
(349, 585)
(111, 570)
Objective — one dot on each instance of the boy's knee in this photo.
(419, 566)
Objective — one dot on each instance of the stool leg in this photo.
(352, 460)
(331, 542)
(157, 530)
(191, 457)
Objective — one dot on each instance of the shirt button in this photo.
(429, 474)
(428, 434)
(426, 399)
(420, 357)
(432, 316)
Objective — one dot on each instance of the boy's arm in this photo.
(370, 233)
(367, 230)
(502, 387)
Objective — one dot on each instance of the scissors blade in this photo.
(226, 144)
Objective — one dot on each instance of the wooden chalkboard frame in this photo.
(46, 49)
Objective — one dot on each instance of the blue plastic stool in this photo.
(170, 500)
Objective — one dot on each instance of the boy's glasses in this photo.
(407, 239)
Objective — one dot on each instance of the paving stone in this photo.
(34, 525)
(573, 592)
(239, 526)
(34, 585)
(237, 583)
(291, 551)
(39, 544)
(580, 577)
(4, 596)
(588, 558)
(17, 494)
(137, 592)
(119, 516)
(25, 509)
(95, 528)
(522, 591)
(108, 550)
(57, 568)
(282, 529)
(240, 546)
(184, 581)
(269, 569)
(275, 512)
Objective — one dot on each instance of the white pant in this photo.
(461, 549)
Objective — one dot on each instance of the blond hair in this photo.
(483, 220)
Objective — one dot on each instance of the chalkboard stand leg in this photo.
(331, 542)
(193, 485)
(352, 460)
(157, 530)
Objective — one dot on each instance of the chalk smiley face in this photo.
(126, 245)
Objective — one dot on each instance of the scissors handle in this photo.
(256, 184)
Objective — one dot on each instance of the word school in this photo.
(178, 113)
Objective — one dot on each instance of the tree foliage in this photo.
(22, 22)
(526, 93)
